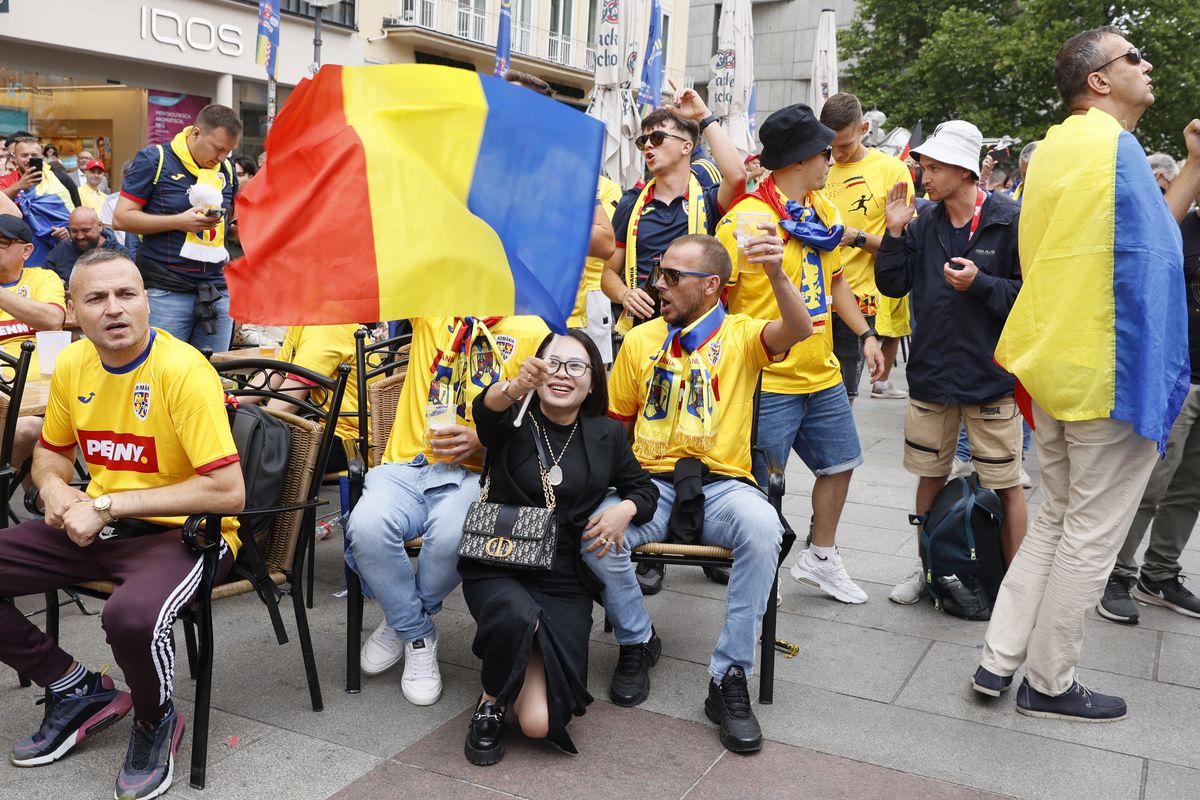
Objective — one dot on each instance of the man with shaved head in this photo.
(147, 412)
(86, 233)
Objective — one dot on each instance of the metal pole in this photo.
(317, 37)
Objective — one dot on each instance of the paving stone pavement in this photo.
(875, 705)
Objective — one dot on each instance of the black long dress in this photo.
(511, 607)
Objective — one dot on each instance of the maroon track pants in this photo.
(154, 578)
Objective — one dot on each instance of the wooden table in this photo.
(245, 352)
(37, 394)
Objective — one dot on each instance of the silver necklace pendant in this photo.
(555, 475)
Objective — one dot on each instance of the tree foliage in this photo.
(993, 64)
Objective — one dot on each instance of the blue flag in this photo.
(650, 94)
(504, 39)
(267, 49)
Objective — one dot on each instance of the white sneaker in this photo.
(961, 469)
(828, 575)
(382, 650)
(911, 589)
(1026, 481)
(422, 681)
(883, 390)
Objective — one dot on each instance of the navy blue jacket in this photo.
(955, 333)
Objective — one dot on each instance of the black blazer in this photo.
(610, 458)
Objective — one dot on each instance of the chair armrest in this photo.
(776, 482)
(33, 494)
(196, 527)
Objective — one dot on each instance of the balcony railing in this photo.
(522, 38)
(560, 49)
(472, 24)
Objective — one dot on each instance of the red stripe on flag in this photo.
(305, 220)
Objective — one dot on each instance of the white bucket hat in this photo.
(956, 142)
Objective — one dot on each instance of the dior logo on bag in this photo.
(499, 547)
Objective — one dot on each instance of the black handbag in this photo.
(508, 535)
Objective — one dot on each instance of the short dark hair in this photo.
(26, 139)
(596, 403)
(841, 110)
(248, 165)
(663, 116)
(98, 256)
(215, 115)
(1079, 57)
(529, 82)
(713, 254)
(46, 150)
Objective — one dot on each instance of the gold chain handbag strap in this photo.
(547, 489)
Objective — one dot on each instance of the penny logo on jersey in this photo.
(119, 452)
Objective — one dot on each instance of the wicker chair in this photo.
(271, 565)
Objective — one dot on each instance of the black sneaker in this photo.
(68, 721)
(728, 705)
(1116, 604)
(989, 683)
(150, 762)
(649, 577)
(1170, 594)
(485, 735)
(1079, 704)
(631, 678)
(718, 575)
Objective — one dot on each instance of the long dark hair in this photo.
(596, 403)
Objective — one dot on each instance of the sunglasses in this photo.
(655, 139)
(671, 276)
(1133, 56)
(575, 368)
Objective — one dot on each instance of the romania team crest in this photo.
(141, 400)
(22, 291)
(507, 345)
(484, 369)
(439, 393)
(659, 395)
(714, 352)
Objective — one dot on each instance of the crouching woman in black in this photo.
(533, 626)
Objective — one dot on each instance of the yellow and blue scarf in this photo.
(470, 365)
(208, 245)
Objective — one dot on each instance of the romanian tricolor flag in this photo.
(410, 190)
(1099, 329)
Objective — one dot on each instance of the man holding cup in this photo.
(804, 405)
(31, 300)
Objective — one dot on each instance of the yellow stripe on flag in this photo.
(410, 118)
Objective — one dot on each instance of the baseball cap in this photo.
(14, 228)
(94, 164)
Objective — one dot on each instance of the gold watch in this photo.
(102, 505)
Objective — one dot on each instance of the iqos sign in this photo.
(190, 33)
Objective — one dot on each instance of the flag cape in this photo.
(413, 190)
(1099, 329)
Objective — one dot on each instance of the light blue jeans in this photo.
(736, 516)
(401, 502)
(175, 313)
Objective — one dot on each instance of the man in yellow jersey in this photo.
(323, 349)
(33, 301)
(147, 412)
(858, 184)
(428, 480)
(804, 406)
(684, 385)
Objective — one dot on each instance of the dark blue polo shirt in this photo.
(662, 223)
(169, 196)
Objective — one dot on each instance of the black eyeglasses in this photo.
(575, 367)
(671, 276)
(1133, 56)
(655, 138)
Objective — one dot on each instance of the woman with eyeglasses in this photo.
(533, 626)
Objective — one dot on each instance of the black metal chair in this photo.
(13, 372)
(382, 368)
(271, 567)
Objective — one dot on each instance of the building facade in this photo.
(785, 33)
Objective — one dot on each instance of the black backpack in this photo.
(960, 549)
(263, 444)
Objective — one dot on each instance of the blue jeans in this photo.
(736, 516)
(819, 427)
(963, 451)
(175, 313)
(399, 503)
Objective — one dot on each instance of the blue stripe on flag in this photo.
(1151, 360)
(535, 185)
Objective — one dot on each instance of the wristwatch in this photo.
(867, 334)
(504, 391)
(859, 240)
(101, 506)
(709, 120)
